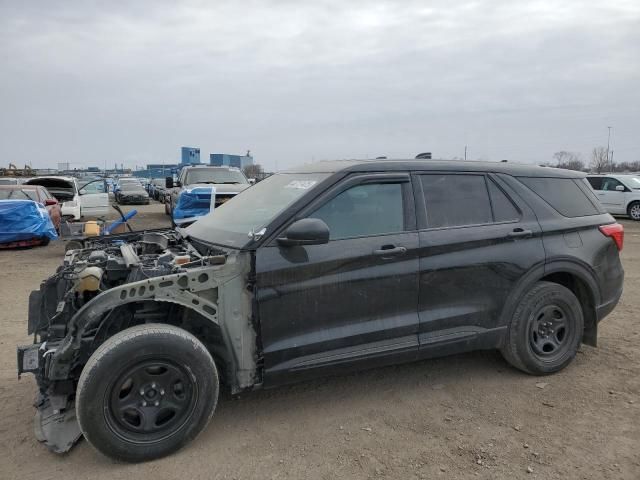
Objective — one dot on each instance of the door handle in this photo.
(520, 233)
(390, 251)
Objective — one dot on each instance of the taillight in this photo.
(615, 232)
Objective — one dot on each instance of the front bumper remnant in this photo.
(57, 429)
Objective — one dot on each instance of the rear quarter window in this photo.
(564, 195)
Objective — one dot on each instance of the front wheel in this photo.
(546, 330)
(634, 211)
(146, 392)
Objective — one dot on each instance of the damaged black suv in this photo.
(326, 268)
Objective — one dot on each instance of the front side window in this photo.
(364, 210)
(610, 184)
(454, 200)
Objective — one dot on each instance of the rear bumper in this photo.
(606, 308)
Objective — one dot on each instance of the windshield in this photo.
(18, 195)
(210, 175)
(253, 209)
(132, 187)
(94, 187)
(634, 182)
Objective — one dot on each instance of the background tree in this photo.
(253, 171)
(599, 160)
(568, 160)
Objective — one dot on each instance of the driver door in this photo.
(94, 199)
(351, 302)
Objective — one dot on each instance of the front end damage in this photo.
(120, 281)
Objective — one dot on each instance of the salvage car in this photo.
(37, 194)
(228, 182)
(132, 194)
(24, 223)
(89, 200)
(323, 269)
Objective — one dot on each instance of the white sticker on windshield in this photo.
(301, 184)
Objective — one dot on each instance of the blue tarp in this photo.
(194, 202)
(24, 220)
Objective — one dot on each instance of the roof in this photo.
(515, 169)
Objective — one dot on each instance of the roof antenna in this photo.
(424, 156)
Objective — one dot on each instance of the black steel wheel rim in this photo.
(550, 332)
(150, 400)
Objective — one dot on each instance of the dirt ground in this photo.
(465, 416)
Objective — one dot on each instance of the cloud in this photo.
(89, 83)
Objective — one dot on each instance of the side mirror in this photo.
(50, 201)
(619, 188)
(307, 231)
(168, 182)
(252, 181)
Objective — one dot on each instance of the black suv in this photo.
(314, 271)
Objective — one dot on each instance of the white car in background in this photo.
(87, 200)
(618, 194)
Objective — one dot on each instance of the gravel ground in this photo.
(465, 416)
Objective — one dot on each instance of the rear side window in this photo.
(456, 200)
(563, 194)
(503, 209)
(595, 182)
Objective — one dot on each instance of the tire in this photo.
(545, 331)
(146, 392)
(633, 210)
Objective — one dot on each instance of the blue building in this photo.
(157, 170)
(238, 161)
(190, 156)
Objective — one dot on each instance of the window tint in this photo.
(563, 194)
(596, 182)
(456, 200)
(503, 209)
(364, 210)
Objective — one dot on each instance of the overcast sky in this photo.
(94, 82)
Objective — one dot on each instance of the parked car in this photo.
(37, 194)
(132, 194)
(24, 223)
(323, 269)
(157, 189)
(618, 194)
(228, 182)
(88, 200)
(10, 181)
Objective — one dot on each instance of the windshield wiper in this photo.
(232, 183)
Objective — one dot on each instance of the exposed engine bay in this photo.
(119, 281)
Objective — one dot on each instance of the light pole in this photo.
(608, 140)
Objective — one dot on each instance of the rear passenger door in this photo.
(477, 240)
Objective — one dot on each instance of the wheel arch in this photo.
(571, 274)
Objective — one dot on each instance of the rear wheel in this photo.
(634, 211)
(546, 329)
(146, 392)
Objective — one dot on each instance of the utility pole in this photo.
(609, 161)
(465, 152)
